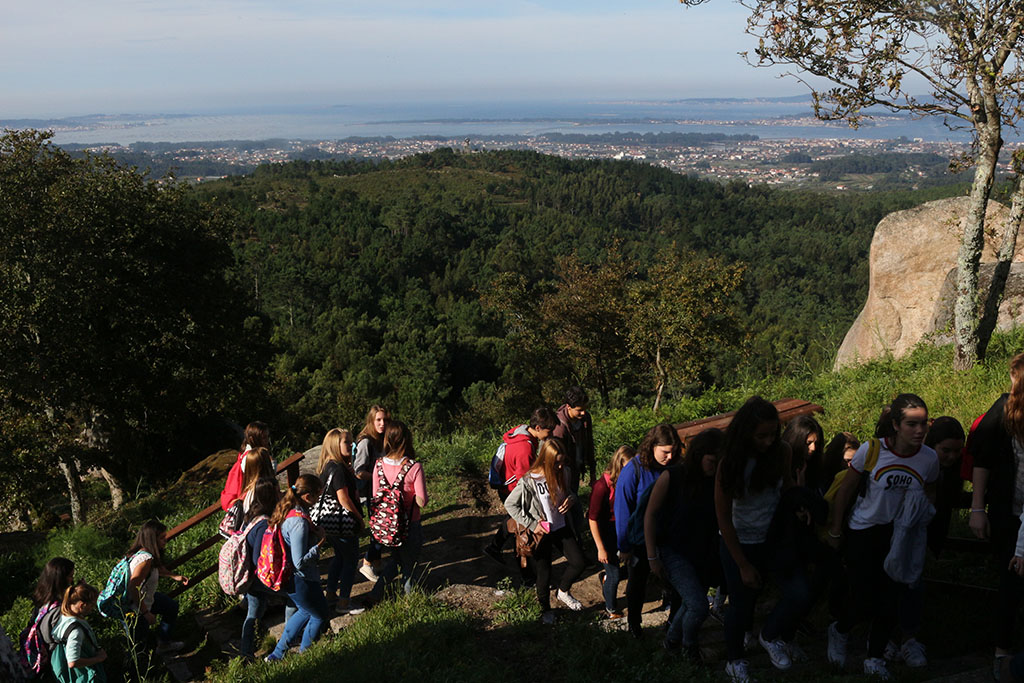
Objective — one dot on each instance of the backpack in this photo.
(496, 473)
(869, 464)
(37, 639)
(234, 568)
(275, 566)
(113, 600)
(389, 520)
(59, 660)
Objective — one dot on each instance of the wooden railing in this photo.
(291, 466)
(788, 408)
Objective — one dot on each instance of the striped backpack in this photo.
(234, 568)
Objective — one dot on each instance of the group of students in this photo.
(847, 523)
(58, 639)
(382, 475)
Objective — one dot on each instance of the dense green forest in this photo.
(424, 282)
(459, 289)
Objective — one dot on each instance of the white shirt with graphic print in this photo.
(892, 476)
(555, 518)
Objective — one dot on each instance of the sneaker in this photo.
(776, 650)
(494, 554)
(912, 654)
(836, 645)
(611, 614)
(167, 646)
(367, 571)
(875, 666)
(796, 653)
(548, 617)
(272, 658)
(892, 652)
(736, 671)
(352, 608)
(566, 599)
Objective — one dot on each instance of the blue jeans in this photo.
(610, 589)
(341, 571)
(781, 622)
(256, 601)
(402, 558)
(682, 576)
(308, 619)
(167, 609)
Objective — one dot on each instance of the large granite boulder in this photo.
(912, 280)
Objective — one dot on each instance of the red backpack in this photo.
(275, 567)
(389, 520)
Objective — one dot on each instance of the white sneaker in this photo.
(892, 652)
(367, 571)
(913, 655)
(875, 666)
(796, 653)
(566, 599)
(736, 671)
(836, 645)
(776, 650)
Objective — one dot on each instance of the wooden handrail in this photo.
(788, 408)
(290, 466)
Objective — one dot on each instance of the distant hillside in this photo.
(372, 273)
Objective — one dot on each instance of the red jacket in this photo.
(520, 448)
(233, 487)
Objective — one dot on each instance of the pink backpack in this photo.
(234, 568)
(275, 568)
(389, 520)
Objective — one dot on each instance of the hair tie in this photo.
(293, 487)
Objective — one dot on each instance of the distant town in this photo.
(794, 162)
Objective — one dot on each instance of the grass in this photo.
(517, 606)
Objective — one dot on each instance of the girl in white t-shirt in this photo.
(904, 464)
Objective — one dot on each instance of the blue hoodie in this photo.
(633, 480)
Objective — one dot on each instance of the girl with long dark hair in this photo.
(753, 471)
(145, 567)
(601, 517)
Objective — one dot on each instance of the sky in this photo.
(68, 57)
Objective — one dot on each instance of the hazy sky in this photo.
(65, 57)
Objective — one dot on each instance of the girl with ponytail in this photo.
(302, 539)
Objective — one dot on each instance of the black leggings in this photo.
(566, 542)
(873, 594)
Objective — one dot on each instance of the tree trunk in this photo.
(661, 379)
(74, 482)
(965, 307)
(1004, 260)
(117, 495)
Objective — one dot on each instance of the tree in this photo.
(117, 322)
(968, 55)
(682, 317)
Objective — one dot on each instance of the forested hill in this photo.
(462, 286)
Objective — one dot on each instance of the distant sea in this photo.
(771, 118)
